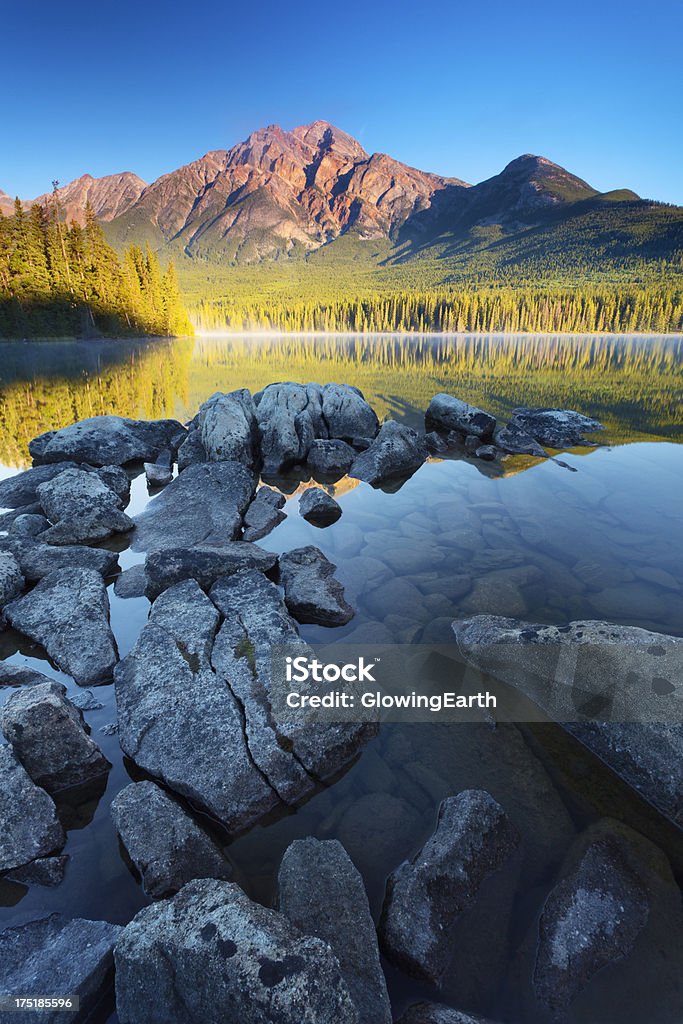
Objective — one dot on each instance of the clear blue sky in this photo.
(457, 88)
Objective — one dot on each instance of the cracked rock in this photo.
(68, 613)
(48, 736)
(47, 871)
(165, 844)
(289, 418)
(82, 508)
(36, 559)
(203, 564)
(312, 593)
(107, 441)
(264, 514)
(255, 967)
(29, 826)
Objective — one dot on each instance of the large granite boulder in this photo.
(209, 955)
(192, 451)
(330, 459)
(318, 507)
(58, 957)
(81, 507)
(37, 559)
(49, 737)
(165, 844)
(322, 893)
(312, 593)
(264, 514)
(107, 441)
(229, 429)
(448, 909)
(203, 564)
(555, 428)
(68, 613)
(289, 418)
(11, 578)
(395, 454)
(447, 413)
(203, 505)
(346, 413)
(29, 826)
(597, 679)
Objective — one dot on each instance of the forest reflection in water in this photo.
(634, 384)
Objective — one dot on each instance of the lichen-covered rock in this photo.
(513, 439)
(318, 507)
(312, 593)
(58, 957)
(330, 459)
(264, 514)
(165, 844)
(29, 826)
(209, 955)
(81, 507)
(11, 579)
(203, 564)
(229, 429)
(555, 428)
(37, 559)
(20, 489)
(346, 413)
(203, 505)
(107, 441)
(424, 923)
(68, 613)
(322, 893)
(29, 525)
(396, 453)
(446, 413)
(48, 736)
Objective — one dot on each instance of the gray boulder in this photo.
(204, 505)
(47, 871)
(555, 428)
(396, 453)
(289, 418)
(157, 475)
(264, 514)
(82, 508)
(203, 564)
(229, 429)
(58, 957)
(587, 669)
(446, 413)
(312, 593)
(68, 613)
(322, 894)
(486, 452)
(254, 966)
(48, 736)
(448, 909)
(164, 843)
(20, 675)
(514, 440)
(11, 578)
(318, 507)
(21, 490)
(330, 459)
(107, 441)
(29, 525)
(435, 1013)
(132, 582)
(192, 451)
(346, 413)
(29, 826)
(36, 559)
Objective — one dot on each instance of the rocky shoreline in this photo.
(194, 717)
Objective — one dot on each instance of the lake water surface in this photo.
(536, 540)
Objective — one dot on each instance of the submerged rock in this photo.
(264, 514)
(555, 428)
(11, 579)
(58, 957)
(312, 593)
(165, 844)
(330, 458)
(229, 429)
(619, 672)
(425, 929)
(48, 736)
(397, 452)
(29, 826)
(446, 413)
(319, 507)
(37, 559)
(107, 441)
(203, 564)
(322, 894)
(68, 613)
(81, 507)
(204, 505)
(254, 966)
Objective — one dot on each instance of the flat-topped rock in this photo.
(81, 507)
(330, 459)
(318, 507)
(58, 957)
(555, 428)
(165, 844)
(107, 440)
(46, 871)
(255, 967)
(68, 613)
(37, 559)
(29, 826)
(396, 453)
(446, 413)
(312, 592)
(48, 736)
(264, 514)
(132, 582)
(203, 564)
(20, 675)
(205, 504)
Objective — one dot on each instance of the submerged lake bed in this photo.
(592, 535)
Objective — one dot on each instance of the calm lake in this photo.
(537, 540)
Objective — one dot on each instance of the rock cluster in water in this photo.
(194, 714)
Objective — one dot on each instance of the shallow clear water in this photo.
(599, 538)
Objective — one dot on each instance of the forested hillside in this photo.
(59, 279)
